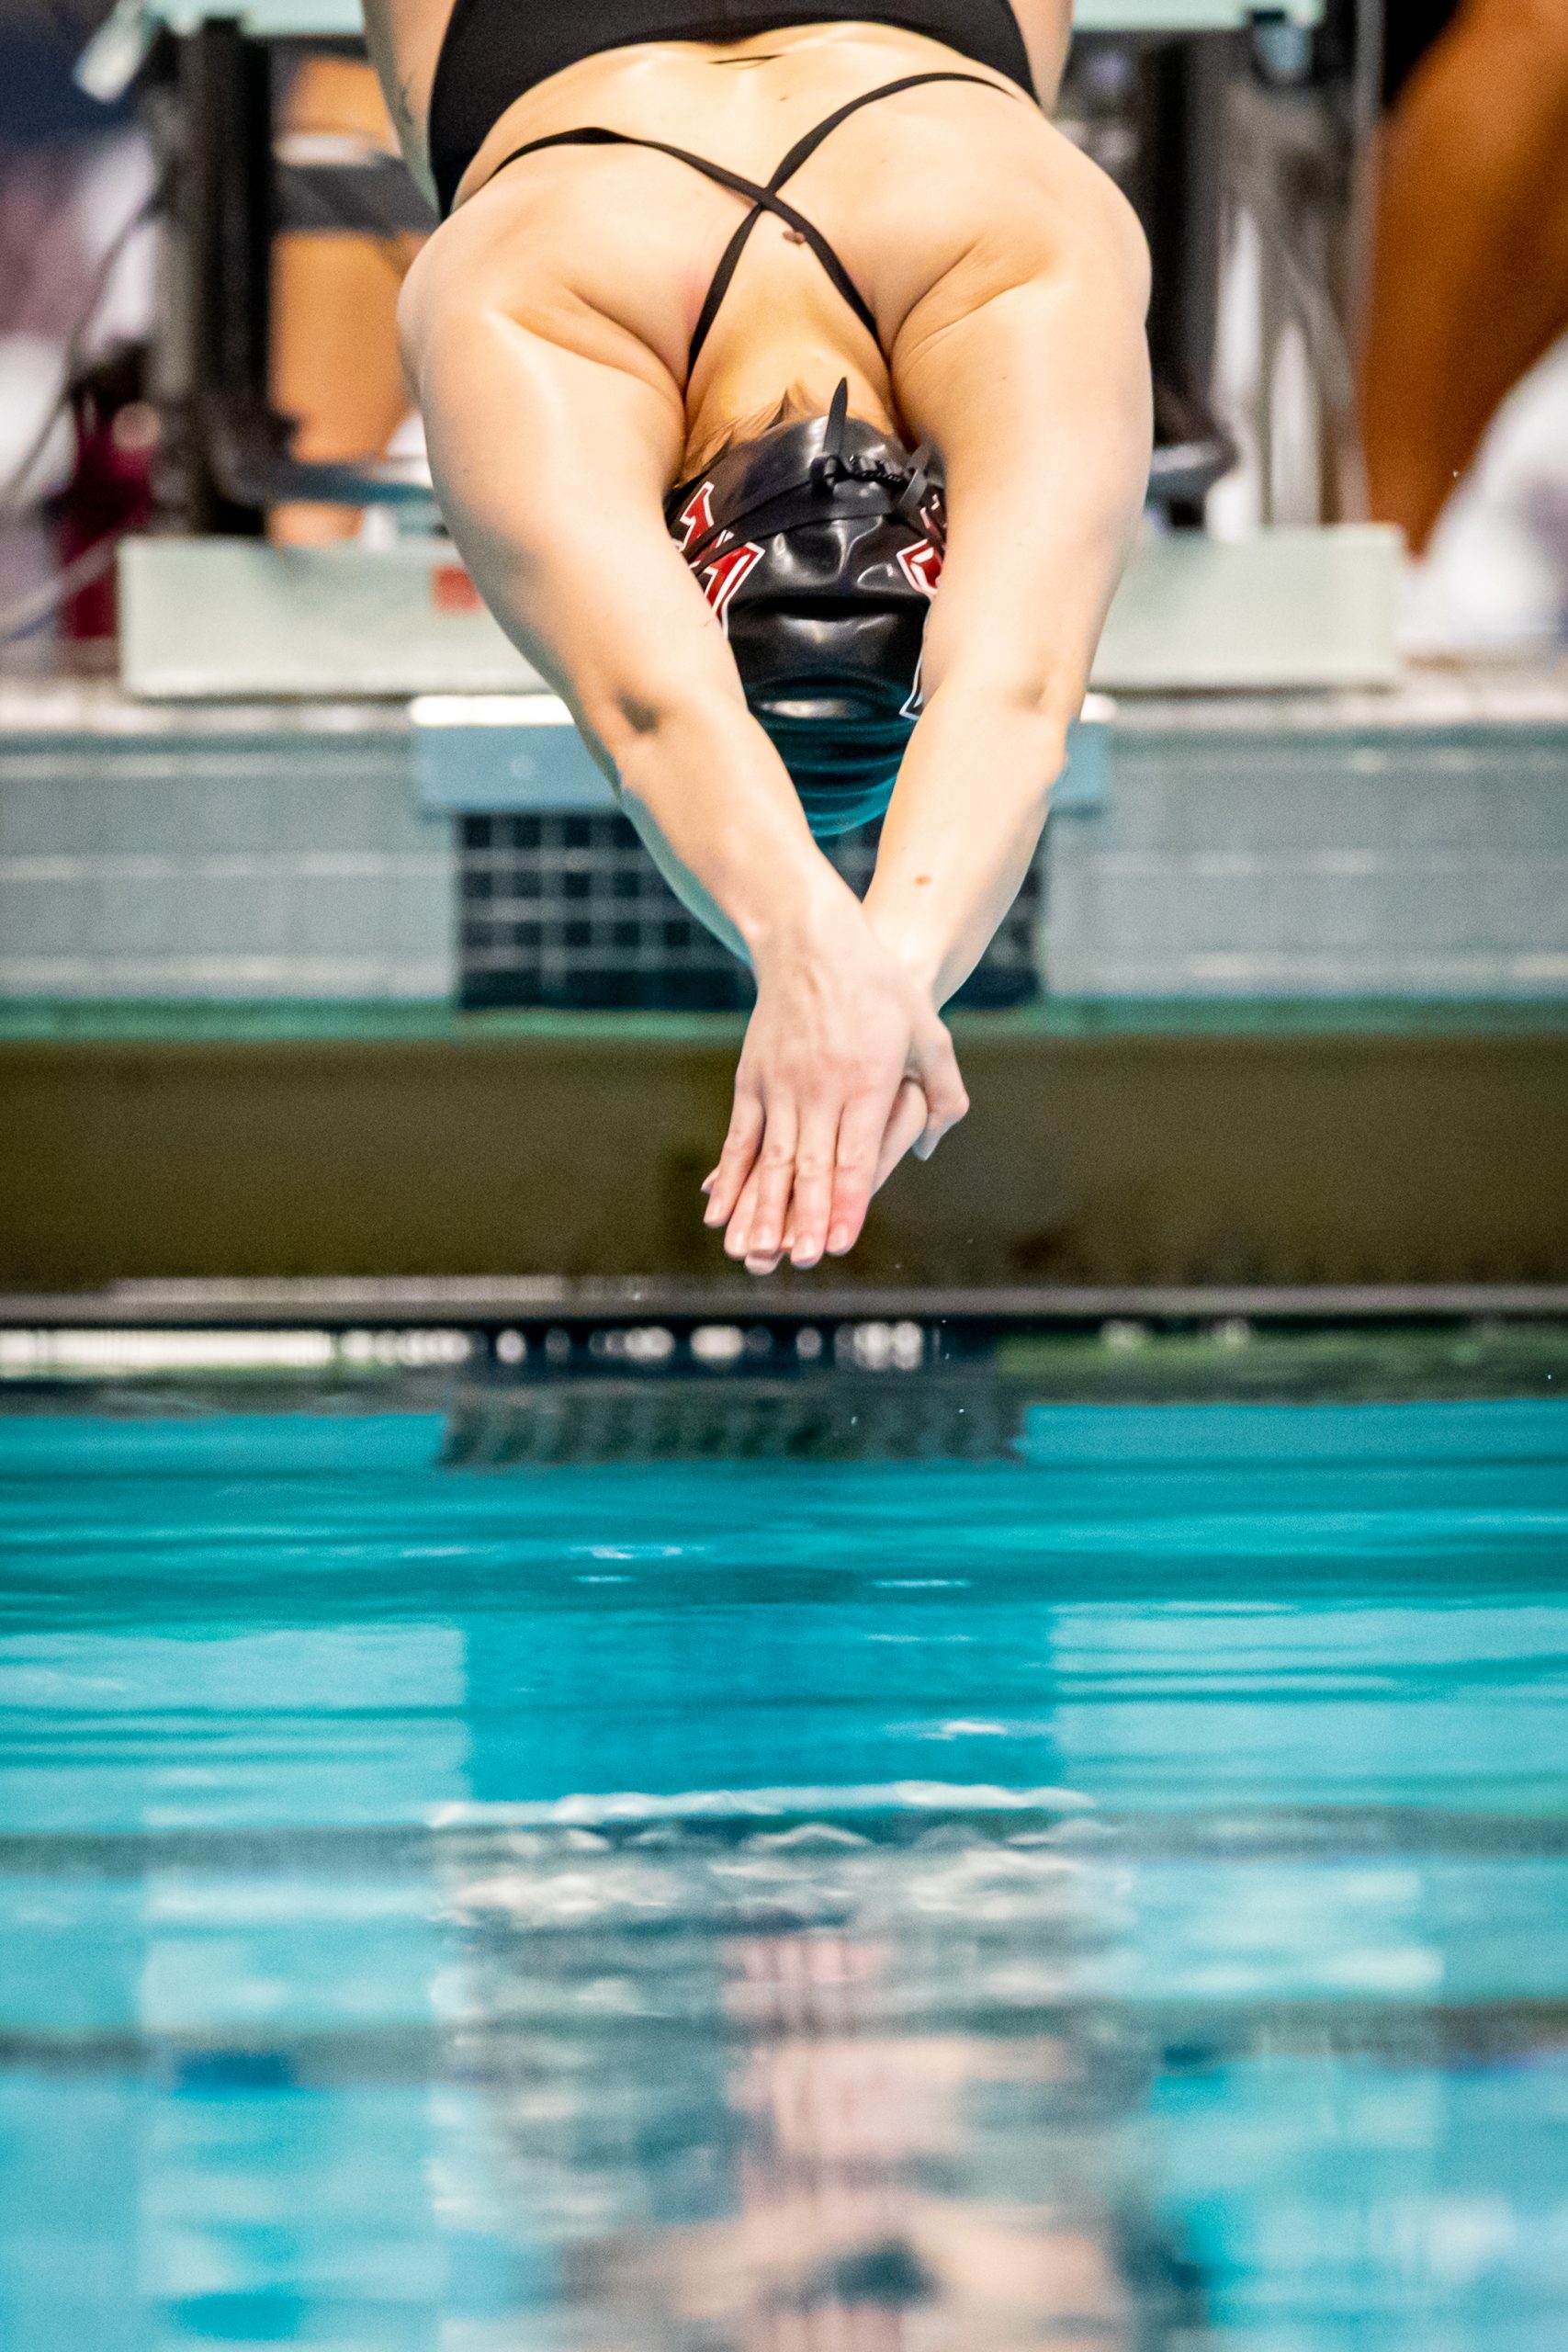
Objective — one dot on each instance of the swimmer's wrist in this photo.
(801, 915)
(919, 955)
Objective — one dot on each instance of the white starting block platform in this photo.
(1287, 611)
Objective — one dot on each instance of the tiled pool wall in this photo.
(1252, 849)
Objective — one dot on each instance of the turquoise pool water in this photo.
(1112, 1897)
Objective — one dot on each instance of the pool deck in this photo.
(1431, 694)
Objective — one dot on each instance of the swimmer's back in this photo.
(609, 252)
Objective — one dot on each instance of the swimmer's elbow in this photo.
(1132, 251)
(623, 715)
(621, 712)
(1120, 246)
(1011, 692)
(648, 729)
(441, 328)
(413, 305)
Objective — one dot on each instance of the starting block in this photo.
(233, 619)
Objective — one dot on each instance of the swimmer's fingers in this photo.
(736, 1161)
(756, 1229)
(852, 1192)
(947, 1102)
(818, 1202)
(811, 1198)
(907, 1122)
(865, 1121)
(745, 1212)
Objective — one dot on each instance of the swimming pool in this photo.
(1112, 1894)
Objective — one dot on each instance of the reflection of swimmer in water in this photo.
(674, 234)
(859, 2228)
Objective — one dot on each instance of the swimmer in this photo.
(745, 319)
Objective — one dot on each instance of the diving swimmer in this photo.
(745, 322)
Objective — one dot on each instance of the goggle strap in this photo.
(917, 489)
(828, 465)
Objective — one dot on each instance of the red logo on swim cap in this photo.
(921, 566)
(696, 516)
(721, 580)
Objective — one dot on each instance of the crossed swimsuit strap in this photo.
(762, 199)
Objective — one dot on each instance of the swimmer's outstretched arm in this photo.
(1039, 397)
(1033, 381)
(551, 445)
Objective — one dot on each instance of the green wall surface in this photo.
(1101, 1151)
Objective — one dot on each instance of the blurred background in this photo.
(1389, 288)
(320, 941)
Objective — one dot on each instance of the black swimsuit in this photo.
(495, 50)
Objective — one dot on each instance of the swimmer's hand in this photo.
(846, 1065)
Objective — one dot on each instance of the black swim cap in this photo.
(818, 546)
